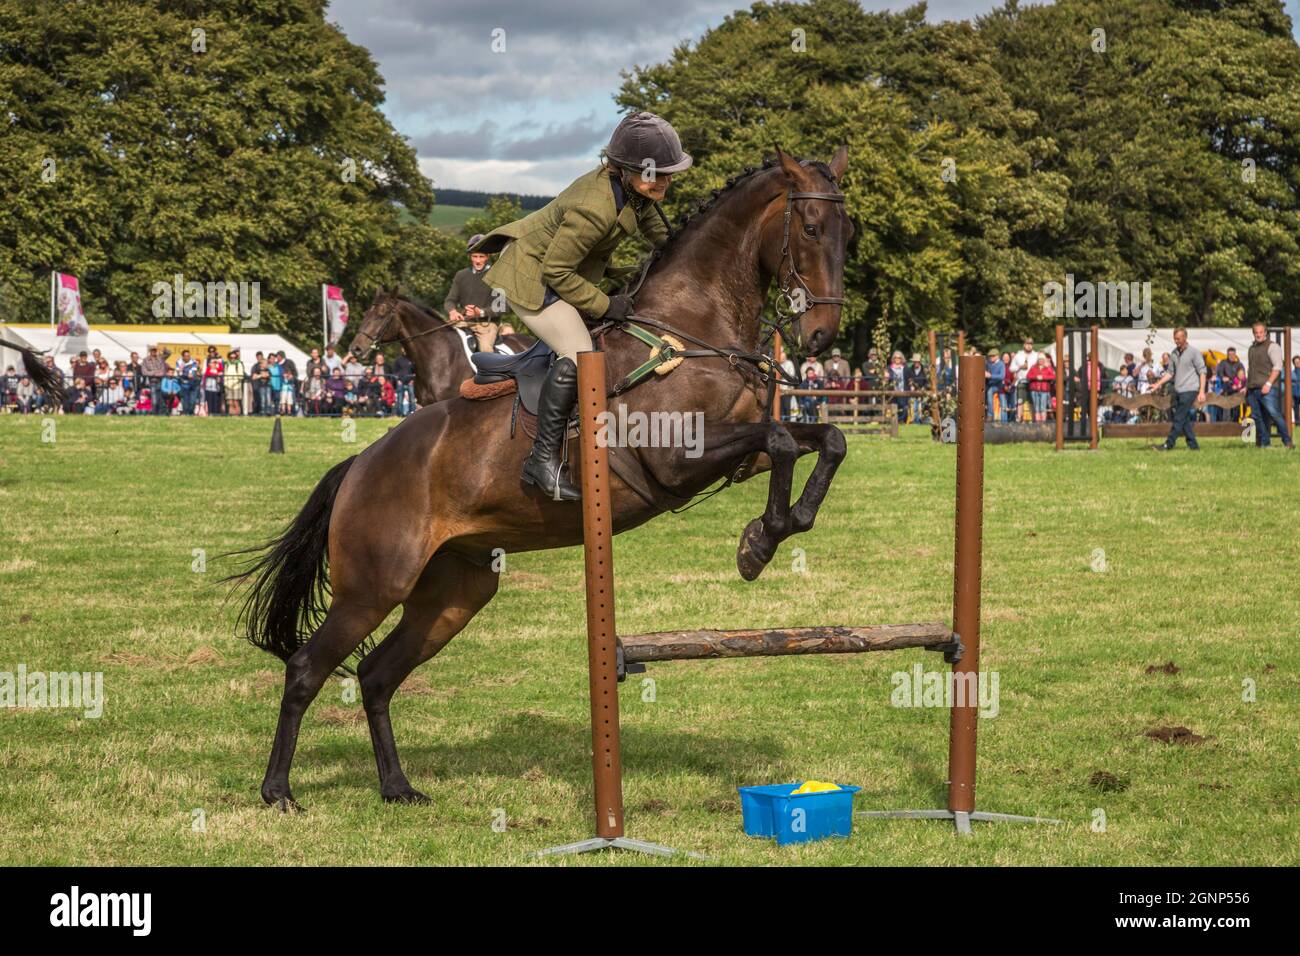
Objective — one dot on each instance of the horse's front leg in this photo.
(726, 445)
(828, 442)
(762, 536)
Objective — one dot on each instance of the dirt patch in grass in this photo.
(525, 581)
(1176, 735)
(1107, 782)
(416, 684)
(341, 715)
(1169, 667)
(203, 655)
(134, 659)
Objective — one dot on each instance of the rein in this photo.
(789, 311)
(390, 314)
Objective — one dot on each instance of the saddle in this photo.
(495, 373)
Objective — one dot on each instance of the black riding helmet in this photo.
(644, 140)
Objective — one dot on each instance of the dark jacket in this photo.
(468, 288)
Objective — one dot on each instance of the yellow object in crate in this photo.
(814, 786)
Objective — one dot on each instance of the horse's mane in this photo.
(708, 202)
(428, 310)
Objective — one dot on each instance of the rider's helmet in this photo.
(474, 240)
(642, 139)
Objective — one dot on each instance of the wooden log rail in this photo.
(698, 645)
(1162, 402)
(850, 393)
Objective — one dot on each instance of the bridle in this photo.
(788, 312)
(388, 309)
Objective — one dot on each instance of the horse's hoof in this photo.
(409, 796)
(286, 804)
(748, 562)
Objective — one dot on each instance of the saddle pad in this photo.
(464, 344)
(480, 393)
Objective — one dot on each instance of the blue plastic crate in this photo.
(774, 811)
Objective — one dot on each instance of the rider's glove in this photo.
(620, 307)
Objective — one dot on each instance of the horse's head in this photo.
(811, 235)
(379, 324)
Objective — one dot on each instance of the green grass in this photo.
(447, 218)
(451, 217)
(96, 555)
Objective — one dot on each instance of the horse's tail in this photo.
(45, 379)
(287, 599)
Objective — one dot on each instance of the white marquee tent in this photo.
(1114, 343)
(118, 342)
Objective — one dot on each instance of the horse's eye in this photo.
(810, 230)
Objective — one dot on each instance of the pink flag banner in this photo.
(67, 303)
(336, 313)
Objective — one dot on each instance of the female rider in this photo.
(552, 259)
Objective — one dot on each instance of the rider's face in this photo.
(478, 259)
(656, 188)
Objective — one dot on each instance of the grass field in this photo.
(451, 217)
(99, 572)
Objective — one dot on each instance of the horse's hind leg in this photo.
(451, 591)
(345, 626)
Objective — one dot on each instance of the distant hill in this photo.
(451, 218)
(478, 199)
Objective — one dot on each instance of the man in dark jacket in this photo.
(403, 376)
(469, 302)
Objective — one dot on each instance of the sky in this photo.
(531, 117)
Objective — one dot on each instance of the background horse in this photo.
(413, 520)
(431, 343)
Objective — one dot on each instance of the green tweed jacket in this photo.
(567, 245)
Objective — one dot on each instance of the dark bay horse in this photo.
(429, 341)
(413, 520)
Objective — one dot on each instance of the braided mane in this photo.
(708, 202)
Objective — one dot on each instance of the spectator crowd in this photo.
(1020, 386)
(272, 384)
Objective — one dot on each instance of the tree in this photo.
(238, 140)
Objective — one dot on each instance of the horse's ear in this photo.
(790, 165)
(840, 161)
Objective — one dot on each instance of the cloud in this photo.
(541, 106)
(581, 137)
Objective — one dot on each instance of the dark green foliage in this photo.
(1117, 165)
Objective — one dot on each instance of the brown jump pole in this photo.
(602, 659)
(606, 759)
(967, 553)
(1060, 387)
(967, 565)
(1094, 386)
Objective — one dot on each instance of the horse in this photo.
(439, 359)
(413, 520)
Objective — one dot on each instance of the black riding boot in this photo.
(544, 467)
